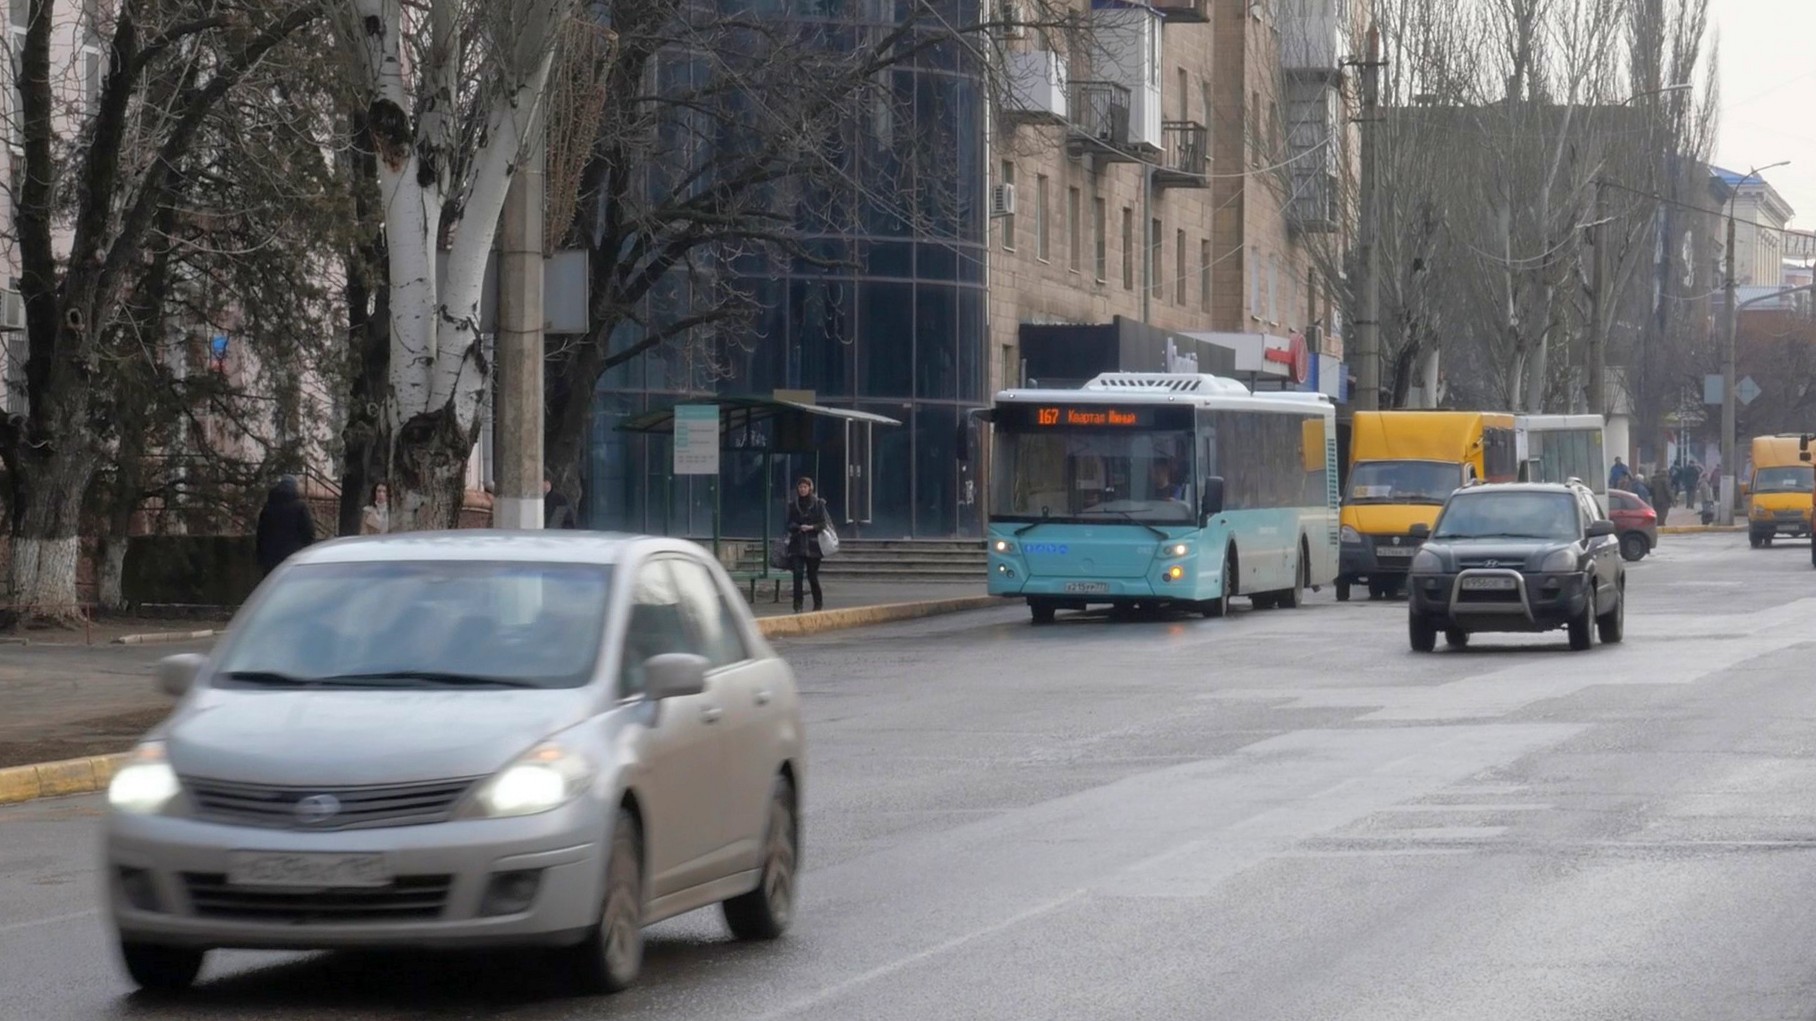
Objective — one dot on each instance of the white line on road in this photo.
(52, 920)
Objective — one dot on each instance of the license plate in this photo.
(307, 869)
(1087, 587)
(1395, 551)
(1490, 584)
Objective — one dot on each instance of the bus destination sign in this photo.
(1087, 417)
(1115, 417)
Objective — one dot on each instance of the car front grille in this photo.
(408, 898)
(1493, 565)
(413, 804)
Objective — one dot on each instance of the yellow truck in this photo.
(1403, 465)
(1779, 490)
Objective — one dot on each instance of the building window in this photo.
(1008, 178)
(1156, 281)
(1075, 248)
(1011, 377)
(1179, 264)
(1128, 248)
(1254, 275)
(1273, 289)
(1254, 128)
(1185, 105)
(1204, 275)
(1043, 241)
(1098, 231)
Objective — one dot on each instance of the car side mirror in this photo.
(1598, 529)
(674, 675)
(177, 674)
(1420, 531)
(1213, 497)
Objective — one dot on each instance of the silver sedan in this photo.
(464, 739)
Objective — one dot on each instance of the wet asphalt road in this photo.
(1285, 815)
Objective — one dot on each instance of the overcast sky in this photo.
(1768, 94)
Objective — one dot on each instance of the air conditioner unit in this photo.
(1002, 200)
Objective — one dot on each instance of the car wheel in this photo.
(1456, 638)
(1343, 587)
(1766, 541)
(1582, 628)
(608, 960)
(1755, 541)
(764, 913)
(1419, 632)
(1042, 612)
(1634, 546)
(161, 969)
(1612, 625)
(1378, 590)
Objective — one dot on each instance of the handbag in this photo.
(829, 541)
(778, 554)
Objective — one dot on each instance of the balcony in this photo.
(1184, 156)
(1037, 87)
(1317, 207)
(1184, 12)
(1100, 120)
(1311, 45)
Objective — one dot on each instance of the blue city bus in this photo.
(1158, 490)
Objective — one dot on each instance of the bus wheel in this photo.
(1041, 611)
(1343, 586)
(1219, 606)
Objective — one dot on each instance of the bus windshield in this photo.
(1404, 482)
(1142, 476)
(1796, 478)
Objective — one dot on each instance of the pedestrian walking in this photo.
(1618, 474)
(557, 512)
(1662, 488)
(1706, 497)
(1692, 482)
(1637, 484)
(285, 524)
(376, 518)
(806, 520)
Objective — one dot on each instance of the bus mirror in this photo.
(1213, 497)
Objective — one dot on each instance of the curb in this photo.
(57, 779)
(1698, 529)
(803, 624)
(167, 637)
(89, 775)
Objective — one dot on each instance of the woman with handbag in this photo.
(807, 524)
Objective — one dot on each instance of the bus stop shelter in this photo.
(770, 428)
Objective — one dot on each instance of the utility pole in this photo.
(518, 420)
(1598, 308)
(1730, 325)
(1368, 337)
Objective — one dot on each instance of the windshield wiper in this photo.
(1496, 535)
(1032, 525)
(269, 678)
(1134, 519)
(424, 677)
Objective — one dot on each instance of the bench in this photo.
(748, 564)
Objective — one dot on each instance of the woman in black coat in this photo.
(806, 520)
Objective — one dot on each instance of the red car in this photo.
(1636, 522)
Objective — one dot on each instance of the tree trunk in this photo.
(110, 570)
(46, 540)
(567, 427)
(429, 470)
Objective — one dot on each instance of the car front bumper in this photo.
(1536, 602)
(166, 883)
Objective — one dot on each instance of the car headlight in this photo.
(1426, 562)
(1559, 562)
(1348, 534)
(1003, 546)
(146, 783)
(545, 778)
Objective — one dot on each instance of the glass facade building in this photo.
(888, 317)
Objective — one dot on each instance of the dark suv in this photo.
(1519, 557)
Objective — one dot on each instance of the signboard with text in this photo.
(696, 439)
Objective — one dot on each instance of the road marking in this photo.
(52, 920)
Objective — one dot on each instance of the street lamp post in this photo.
(1730, 327)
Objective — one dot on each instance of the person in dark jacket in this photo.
(285, 525)
(557, 512)
(806, 520)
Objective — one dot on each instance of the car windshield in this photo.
(1797, 478)
(1403, 481)
(1489, 515)
(456, 624)
(1143, 476)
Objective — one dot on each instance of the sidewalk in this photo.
(61, 698)
(1678, 520)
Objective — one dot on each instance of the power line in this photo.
(1719, 214)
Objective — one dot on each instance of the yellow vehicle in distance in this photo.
(1403, 465)
(1779, 492)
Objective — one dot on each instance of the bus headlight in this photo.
(1003, 546)
(1349, 535)
(1176, 549)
